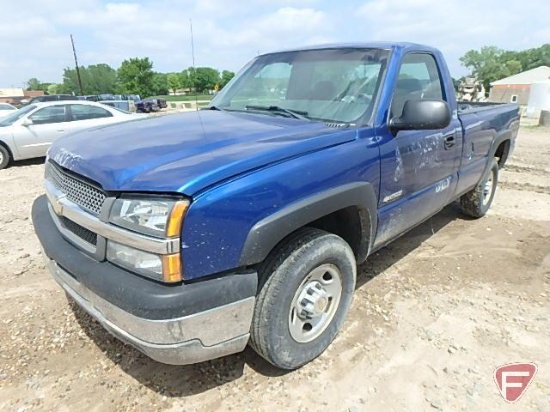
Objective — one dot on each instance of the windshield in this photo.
(333, 85)
(15, 116)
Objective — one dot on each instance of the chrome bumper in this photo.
(195, 338)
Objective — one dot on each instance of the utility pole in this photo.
(77, 69)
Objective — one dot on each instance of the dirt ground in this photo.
(434, 314)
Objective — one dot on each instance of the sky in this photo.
(35, 34)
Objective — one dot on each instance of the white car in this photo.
(6, 109)
(29, 132)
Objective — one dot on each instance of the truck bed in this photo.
(469, 107)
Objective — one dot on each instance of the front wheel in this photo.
(306, 289)
(477, 202)
(4, 157)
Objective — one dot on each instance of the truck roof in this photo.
(387, 45)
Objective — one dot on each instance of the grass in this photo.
(187, 98)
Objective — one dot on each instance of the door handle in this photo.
(449, 142)
(60, 130)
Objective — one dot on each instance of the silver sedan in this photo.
(30, 131)
(6, 109)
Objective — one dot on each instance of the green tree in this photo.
(70, 81)
(491, 63)
(205, 79)
(96, 79)
(486, 64)
(34, 84)
(54, 88)
(226, 77)
(173, 82)
(135, 76)
(187, 78)
(101, 78)
(160, 84)
(533, 58)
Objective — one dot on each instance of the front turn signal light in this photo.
(175, 221)
(171, 268)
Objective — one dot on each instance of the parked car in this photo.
(205, 231)
(6, 109)
(134, 97)
(126, 105)
(90, 98)
(106, 96)
(52, 98)
(161, 102)
(147, 106)
(29, 131)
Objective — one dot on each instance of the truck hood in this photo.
(188, 152)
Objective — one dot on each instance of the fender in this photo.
(500, 137)
(265, 234)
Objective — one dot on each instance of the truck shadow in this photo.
(183, 381)
(388, 256)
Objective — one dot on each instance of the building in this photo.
(15, 95)
(516, 88)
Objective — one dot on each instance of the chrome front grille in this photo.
(80, 193)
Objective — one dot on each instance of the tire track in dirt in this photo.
(526, 169)
(524, 187)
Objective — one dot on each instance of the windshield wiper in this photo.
(297, 114)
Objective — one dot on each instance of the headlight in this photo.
(165, 268)
(160, 217)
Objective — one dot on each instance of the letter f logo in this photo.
(513, 379)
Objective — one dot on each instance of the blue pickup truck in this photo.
(190, 236)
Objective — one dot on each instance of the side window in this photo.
(418, 79)
(85, 112)
(51, 114)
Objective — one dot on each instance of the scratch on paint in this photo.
(399, 167)
(428, 152)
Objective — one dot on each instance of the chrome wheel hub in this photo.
(315, 303)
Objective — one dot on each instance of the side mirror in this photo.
(422, 115)
(26, 122)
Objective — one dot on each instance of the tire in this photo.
(478, 201)
(289, 282)
(5, 157)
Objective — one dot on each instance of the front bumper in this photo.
(173, 324)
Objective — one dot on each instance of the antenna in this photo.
(192, 42)
(193, 61)
(77, 69)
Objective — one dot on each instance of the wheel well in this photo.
(502, 153)
(352, 225)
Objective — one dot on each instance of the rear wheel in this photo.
(306, 288)
(5, 157)
(477, 202)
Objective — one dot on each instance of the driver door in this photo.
(48, 124)
(419, 168)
